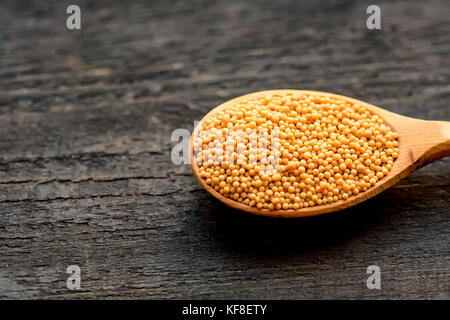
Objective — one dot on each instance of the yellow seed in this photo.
(276, 177)
(325, 150)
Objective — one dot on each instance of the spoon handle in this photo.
(445, 129)
(421, 141)
(436, 141)
(441, 141)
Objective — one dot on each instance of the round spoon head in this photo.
(412, 155)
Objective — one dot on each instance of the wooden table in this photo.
(86, 177)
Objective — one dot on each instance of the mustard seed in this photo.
(291, 151)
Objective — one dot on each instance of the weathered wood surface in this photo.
(85, 171)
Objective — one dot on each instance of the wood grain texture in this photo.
(85, 171)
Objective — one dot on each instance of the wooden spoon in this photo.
(420, 142)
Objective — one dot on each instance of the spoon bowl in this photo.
(420, 142)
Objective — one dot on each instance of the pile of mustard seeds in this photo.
(292, 151)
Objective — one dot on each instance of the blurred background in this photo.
(85, 173)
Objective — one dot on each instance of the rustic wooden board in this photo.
(85, 171)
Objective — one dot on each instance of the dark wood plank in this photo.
(85, 171)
